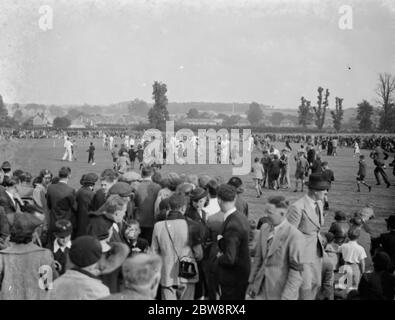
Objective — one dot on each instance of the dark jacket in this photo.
(98, 200)
(146, 194)
(386, 243)
(61, 200)
(241, 204)
(377, 286)
(233, 266)
(84, 199)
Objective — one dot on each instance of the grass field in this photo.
(34, 155)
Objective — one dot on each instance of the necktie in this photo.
(269, 239)
(318, 211)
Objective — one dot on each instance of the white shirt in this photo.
(57, 247)
(228, 213)
(352, 252)
(212, 207)
(12, 198)
(68, 144)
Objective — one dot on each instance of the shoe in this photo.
(258, 196)
(358, 190)
(295, 190)
(388, 185)
(93, 164)
(370, 188)
(377, 184)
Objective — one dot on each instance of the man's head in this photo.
(10, 185)
(116, 206)
(63, 230)
(146, 172)
(211, 187)
(64, 173)
(276, 209)
(142, 273)
(318, 186)
(325, 165)
(46, 176)
(226, 195)
(362, 157)
(178, 202)
(108, 179)
(354, 233)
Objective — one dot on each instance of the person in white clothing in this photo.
(111, 142)
(212, 206)
(357, 151)
(68, 152)
(354, 256)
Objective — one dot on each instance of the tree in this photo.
(254, 113)
(276, 118)
(193, 113)
(61, 122)
(385, 92)
(305, 114)
(74, 113)
(337, 114)
(3, 110)
(320, 109)
(158, 114)
(232, 120)
(364, 115)
(18, 116)
(138, 107)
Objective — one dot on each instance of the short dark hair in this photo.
(177, 201)
(157, 177)
(362, 156)
(226, 192)
(354, 233)
(64, 172)
(10, 182)
(109, 175)
(212, 187)
(278, 202)
(37, 180)
(146, 172)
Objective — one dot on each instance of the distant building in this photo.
(40, 120)
(78, 123)
(265, 123)
(243, 123)
(287, 123)
(203, 122)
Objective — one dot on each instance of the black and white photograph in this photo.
(214, 152)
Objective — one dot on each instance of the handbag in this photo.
(187, 266)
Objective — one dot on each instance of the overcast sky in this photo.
(272, 52)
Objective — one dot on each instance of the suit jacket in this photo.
(234, 264)
(276, 271)
(10, 207)
(61, 203)
(146, 194)
(386, 243)
(241, 204)
(302, 215)
(84, 198)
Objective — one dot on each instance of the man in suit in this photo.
(379, 156)
(306, 214)
(233, 259)
(241, 204)
(10, 200)
(386, 242)
(61, 201)
(277, 269)
(146, 194)
(84, 198)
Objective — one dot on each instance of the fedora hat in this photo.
(391, 221)
(318, 182)
(198, 193)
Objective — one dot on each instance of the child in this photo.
(259, 172)
(123, 163)
(91, 154)
(340, 227)
(329, 176)
(62, 244)
(136, 244)
(274, 173)
(332, 250)
(140, 154)
(357, 151)
(302, 169)
(362, 173)
(114, 154)
(354, 255)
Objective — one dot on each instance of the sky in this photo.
(272, 52)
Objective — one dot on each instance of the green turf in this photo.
(34, 155)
